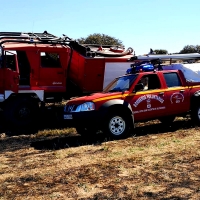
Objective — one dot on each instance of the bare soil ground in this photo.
(155, 162)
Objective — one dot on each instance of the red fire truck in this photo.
(37, 68)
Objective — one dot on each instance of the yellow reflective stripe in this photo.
(139, 93)
(109, 97)
(158, 90)
(176, 88)
(195, 86)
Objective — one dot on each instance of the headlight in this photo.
(88, 106)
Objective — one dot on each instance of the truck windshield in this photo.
(121, 84)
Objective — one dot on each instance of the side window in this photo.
(150, 82)
(172, 79)
(10, 60)
(50, 60)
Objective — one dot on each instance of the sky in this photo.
(156, 24)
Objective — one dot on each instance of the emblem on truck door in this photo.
(149, 98)
(177, 98)
(148, 103)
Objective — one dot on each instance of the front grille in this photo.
(70, 108)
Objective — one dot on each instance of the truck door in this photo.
(51, 72)
(10, 72)
(177, 96)
(93, 73)
(148, 102)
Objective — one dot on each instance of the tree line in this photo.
(103, 39)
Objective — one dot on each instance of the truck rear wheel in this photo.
(195, 115)
(21, 112)
(117, 125)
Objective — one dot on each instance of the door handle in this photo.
(181, 91)
(161, 93)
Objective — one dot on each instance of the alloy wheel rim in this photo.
(117, 125)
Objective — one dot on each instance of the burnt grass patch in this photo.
(154, 162)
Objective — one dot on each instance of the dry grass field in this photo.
(155, 162)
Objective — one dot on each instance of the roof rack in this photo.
(47, 38)
(163, 57)
(42, 38)
(154, 62)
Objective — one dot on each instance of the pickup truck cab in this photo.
(132, 98)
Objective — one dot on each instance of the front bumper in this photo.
(87, 118)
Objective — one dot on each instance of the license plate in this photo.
(67, 116)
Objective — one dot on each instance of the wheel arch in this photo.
(15, 96)
(195, 100)
(117, 104)
(37, 94)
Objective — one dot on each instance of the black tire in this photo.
(117, 125)
(168, 120)
(195, 115)
(21, 112)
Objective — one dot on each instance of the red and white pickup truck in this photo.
(132, 98)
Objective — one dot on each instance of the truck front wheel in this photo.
(21, 112)
(117, 125)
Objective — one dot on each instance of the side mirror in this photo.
(139, 87)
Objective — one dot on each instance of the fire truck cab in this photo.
(33, 69)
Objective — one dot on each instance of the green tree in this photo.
(101, 39)
(161, 51)
(190, 49)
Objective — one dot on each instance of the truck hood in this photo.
(95, 97)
